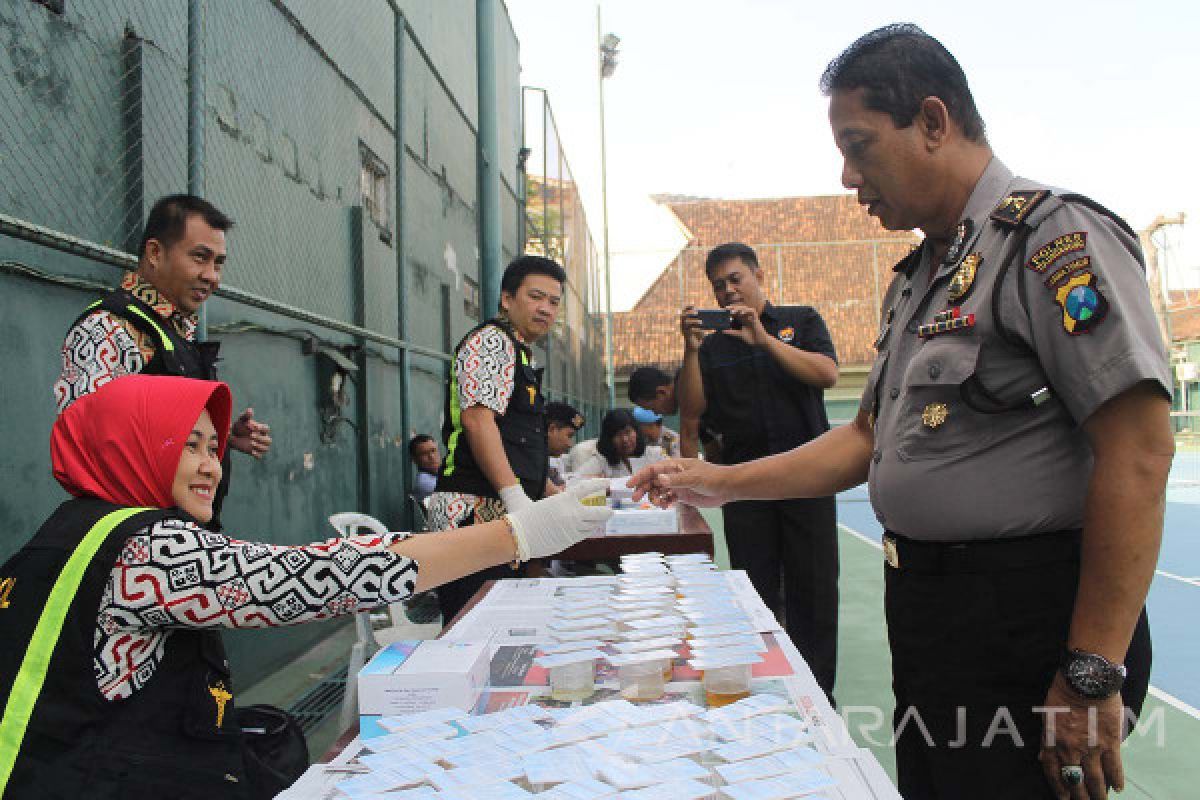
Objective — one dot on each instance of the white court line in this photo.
(1165, 697)
(1180, 578)
(865, 538)
(1175, 702)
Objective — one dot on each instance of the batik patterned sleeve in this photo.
(175, 574)
(98, 349)
(485, 370)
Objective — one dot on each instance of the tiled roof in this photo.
(819, 251)
(1185, 314)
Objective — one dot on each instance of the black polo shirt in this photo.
(758, 408)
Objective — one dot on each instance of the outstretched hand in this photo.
(683, 480)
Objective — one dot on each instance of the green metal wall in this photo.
(93, 127)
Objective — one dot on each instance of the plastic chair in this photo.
(420, 609)
(420, 513)
(347, 524)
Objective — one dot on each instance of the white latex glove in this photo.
(552, 525)
(514, 498)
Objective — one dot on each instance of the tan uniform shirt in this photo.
(962, 452)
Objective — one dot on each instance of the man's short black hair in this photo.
(522, 266)
(564, 415)
(898, 66)
(168, 219)
(613, 423)
(723, 252)
(417, 441)
(644, 383)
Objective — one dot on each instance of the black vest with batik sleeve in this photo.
(173, 354)
(522, 428)
(175, 738)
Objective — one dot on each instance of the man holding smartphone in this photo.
(758, 380)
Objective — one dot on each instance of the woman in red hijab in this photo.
(113, 678)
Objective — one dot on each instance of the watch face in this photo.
(1092, 675)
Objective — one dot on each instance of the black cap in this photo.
(564, 414)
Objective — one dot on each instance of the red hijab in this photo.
(122, 443)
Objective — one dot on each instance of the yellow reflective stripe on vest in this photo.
(455, 421)
(32, 675)
(162, 335)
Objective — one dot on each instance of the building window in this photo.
(471, 298)
(374, 187)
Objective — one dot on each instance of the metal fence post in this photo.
(405, 356)
(491, 233)
(195, 133)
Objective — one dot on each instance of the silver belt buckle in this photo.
(890, 554)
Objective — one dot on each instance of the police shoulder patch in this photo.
(1018, 205)
(1047, 254)
(1083, 306)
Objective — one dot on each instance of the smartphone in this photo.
(715, 319)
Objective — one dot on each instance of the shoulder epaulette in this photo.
(1018, 205)
(1102, 211)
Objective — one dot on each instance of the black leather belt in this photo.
(987, 555)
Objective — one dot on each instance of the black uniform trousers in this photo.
(795, 540)
(977, 632)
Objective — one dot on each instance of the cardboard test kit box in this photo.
(406, 677)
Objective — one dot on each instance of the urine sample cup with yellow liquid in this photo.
(726, 677)
(572, 675)
(641, 674)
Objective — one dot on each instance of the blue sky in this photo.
(719, 99)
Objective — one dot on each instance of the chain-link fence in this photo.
(344, 141)
(556, 227)
(296, 132)
(92, 117)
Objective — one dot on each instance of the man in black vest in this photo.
(148, 324)
(495, 421)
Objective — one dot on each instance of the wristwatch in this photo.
(1092, 676)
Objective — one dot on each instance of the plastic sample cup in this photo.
(642, 680)
(571, 682)
(597, 499)
(725, 685)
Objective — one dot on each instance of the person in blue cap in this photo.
(655, 433)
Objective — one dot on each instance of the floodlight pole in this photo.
(605, 65)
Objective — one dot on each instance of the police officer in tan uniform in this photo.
(1016, 437)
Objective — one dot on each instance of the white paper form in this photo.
(780, 788)
(579, 790)
(688, 789)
